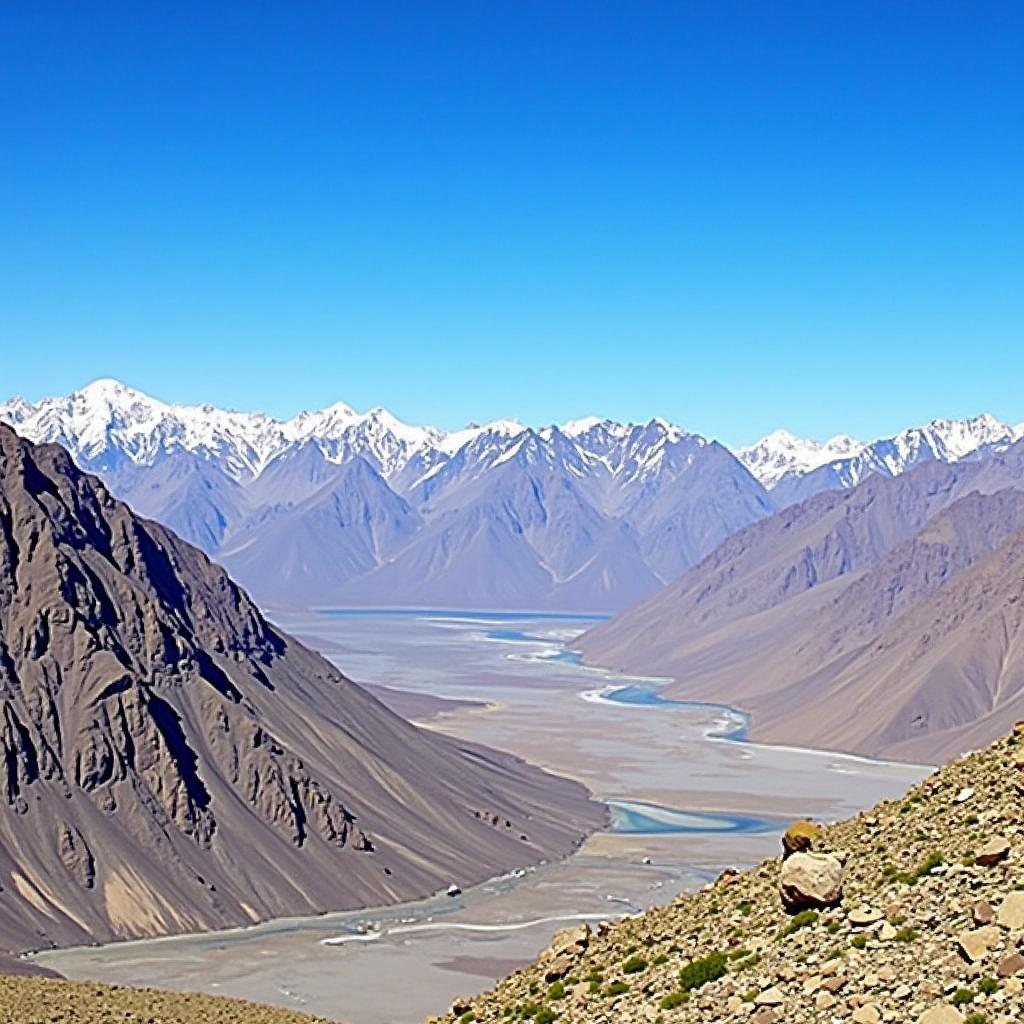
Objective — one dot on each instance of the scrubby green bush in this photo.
(699, 972)
(804, 919)
(634, 965)
(674, 999)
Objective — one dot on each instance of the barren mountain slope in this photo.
(779, 613)
(946, 674)
(169, 761)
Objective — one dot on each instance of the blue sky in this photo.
(734, 215)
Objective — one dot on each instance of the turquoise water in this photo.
(646, 695)
(630, 817)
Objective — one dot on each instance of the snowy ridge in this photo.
(337, 506)
(780, 457)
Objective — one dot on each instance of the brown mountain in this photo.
(170, 761)
(783, 617)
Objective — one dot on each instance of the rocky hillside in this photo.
(169, 761)
(910, 912)
(38, 1001)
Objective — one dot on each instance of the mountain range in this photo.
(170, 761)
(337, 507)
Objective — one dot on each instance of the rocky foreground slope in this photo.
(169, 761)
(910, 912)
(26, 1000)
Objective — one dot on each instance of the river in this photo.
(689, 796)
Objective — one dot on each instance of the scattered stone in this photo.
(862, 917)
(976, 943)
(1011, 911)
(810, 880)
(982, 913)
(824, 1000)
(867, 1014)
(964, 795)
(941, 1015)
(1010, 965)
(996, 850)
(770, 997)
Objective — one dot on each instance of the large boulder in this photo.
(811, 881)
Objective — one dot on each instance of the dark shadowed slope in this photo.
(169, 761)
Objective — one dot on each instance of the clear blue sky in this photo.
(734, 215)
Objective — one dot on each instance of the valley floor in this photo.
(687, 804)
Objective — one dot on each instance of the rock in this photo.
(770, 997)
(867, 1014)
(566, 948)
(824, 1000)
(982, 913)
(1010, 965)
(902, 992)
(810, 880)
(997, 849)
(863, 916)
(569, 940)
(453, 890)
(800, 837)
(976, 943)
(765, 1016)
(558, 967)
(1011, 911)
(964, 795)
(887, 932)
(941, 1015)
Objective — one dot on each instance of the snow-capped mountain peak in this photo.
(782, 453)
(781, 456)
